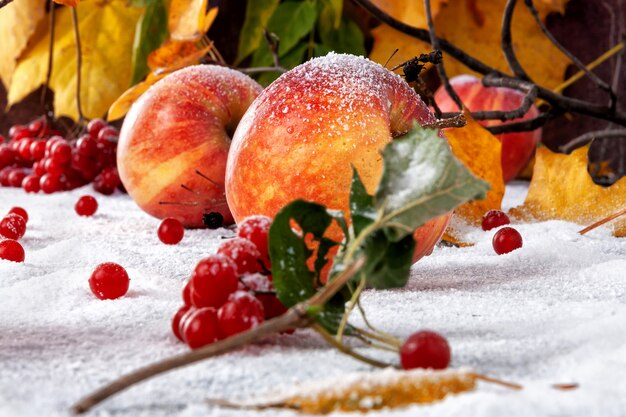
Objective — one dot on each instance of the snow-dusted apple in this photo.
(181, 126)
(517, 148)
(302, 135)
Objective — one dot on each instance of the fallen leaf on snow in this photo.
(562, 189)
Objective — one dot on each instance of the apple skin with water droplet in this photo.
(183, 123)
(302, 135)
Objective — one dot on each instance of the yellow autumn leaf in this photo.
(480, 151)
(123, 103)
(562, 189)
(107, 29)
(367, 391)
(18, 22)
(475, 27)
(188, 20)
(70, 3)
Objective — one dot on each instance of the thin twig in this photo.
(296, 317)
(46, 87)
(524, 126)
(510, 385)
(79, 65)
(603, 221)
(600, 83)
(345, 349)
(391, 339)
(346, 314)
(556, 100)
(507, 42)
(456, 121)
(530, 96)
(589, 136)
(441, 69)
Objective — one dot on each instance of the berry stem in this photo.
(353, 301)
(46, 87)
(345, 349)
(603, 221)
(510, 385)
(296, 317)
(377, 333)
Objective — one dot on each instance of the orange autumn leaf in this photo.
(480, 151)
(189, 20)
(562, 189)
(171, 56)
(475, 27)
(70, 3)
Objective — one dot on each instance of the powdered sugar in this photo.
(551, 312)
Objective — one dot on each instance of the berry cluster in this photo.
(231, 291)
(12, 229)
(38, 158)
(506, 239)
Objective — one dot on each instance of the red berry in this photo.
(86, 206)
(86, 146)
(256, 230)
(241, 312)
(109, 281)
(425, 349)
(11, 250)
(13, 226)
(50, 183)
(4, 176)
(20, 212)
(213, 280)
(493, 219)
(37, 149)
(272, 307)
(201, 328)
(54, 167)
(170, 231)
(61, 152)
(24, 149)
(51, 142)
(94, 126)
(7, 155)
(176, 321)
(108, 133)
(506, 240)
(39, 167)
(16, 177)
(187, 293)
(37, 126)
(18, 132)
(30, 184)
(244, 253)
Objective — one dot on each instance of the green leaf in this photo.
(150, 33)
(421, 180)
(347, 38)
(329, 15)
(361, 204)
(291, 22)
(292, 278)
(388, 263)
(258, 13)
(295, 57)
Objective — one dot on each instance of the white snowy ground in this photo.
(552, 312)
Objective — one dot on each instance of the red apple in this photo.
(517, 148)
(182, 124)
(301, 136)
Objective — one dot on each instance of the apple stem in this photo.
(603, 221)
(451, 122)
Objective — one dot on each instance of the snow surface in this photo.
(551, 312)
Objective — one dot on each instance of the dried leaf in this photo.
(70, 3)
(561, 188)
(475, 26)
(107, 32)
(388, 388)
(171, 56)
(15, 35)
(189, 20)
(480, 151)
